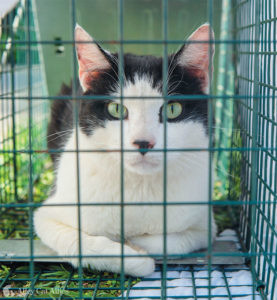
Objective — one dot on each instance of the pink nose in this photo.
(143, 146)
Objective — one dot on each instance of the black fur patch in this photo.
(61, 121)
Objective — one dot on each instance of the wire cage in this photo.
(256, 121)
(22, 120)
(244, 151)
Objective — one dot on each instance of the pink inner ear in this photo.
(199, 53)
(86, 71)
(201, 61)
(202, 76)
(86, 78)
(90, 58)
(198, 73)
(90, 67)
(202, 34)
(196, 56)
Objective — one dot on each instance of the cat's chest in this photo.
(138, 199)
(130, 201)
(142, 209)
(107, 221)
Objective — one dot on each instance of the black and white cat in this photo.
(143, 132)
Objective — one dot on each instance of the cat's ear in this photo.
(92, 58)
(197, 56)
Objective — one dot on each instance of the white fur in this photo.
(99, 182)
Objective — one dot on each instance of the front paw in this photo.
(139, 266)
(134, 265)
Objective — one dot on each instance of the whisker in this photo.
(115, 60)
(51, 140)
(171, 88)
(197, 161)
(59, 132)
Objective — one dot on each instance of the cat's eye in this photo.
(173, 110)
(117, 110)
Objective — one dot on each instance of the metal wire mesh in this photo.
(194, 284)
(256, 122)
(251, 162)
(22, 122)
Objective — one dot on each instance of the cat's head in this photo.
(145, 111)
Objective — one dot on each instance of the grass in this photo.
(54, 279)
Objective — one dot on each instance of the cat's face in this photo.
(143, 113)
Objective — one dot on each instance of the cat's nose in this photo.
(143, 146)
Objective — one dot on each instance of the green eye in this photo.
(117, 110)
(173, 110)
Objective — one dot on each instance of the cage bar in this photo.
(241, 264)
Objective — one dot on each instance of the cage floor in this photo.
(195, 282)
(185, 279)
(190, 282)
(19, 250)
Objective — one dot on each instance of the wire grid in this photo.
(256, 90)
(22, 121)
(256, 118)
(191, 283)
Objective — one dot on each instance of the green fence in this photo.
(244, 151)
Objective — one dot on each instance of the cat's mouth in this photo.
(143, 165)
(144, 162)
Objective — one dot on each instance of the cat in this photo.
(95, 177)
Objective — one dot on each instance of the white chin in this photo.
(143, 166)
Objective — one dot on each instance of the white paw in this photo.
(139, 266)
(135, 266)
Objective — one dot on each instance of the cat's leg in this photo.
(64, 240)
(177, 243)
